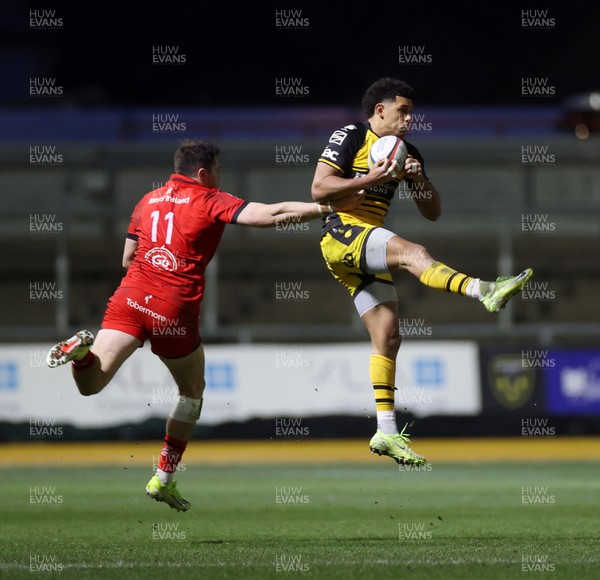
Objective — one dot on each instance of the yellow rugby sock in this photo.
(441, 277)
(383, 377)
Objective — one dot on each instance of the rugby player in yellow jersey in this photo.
(361, 254)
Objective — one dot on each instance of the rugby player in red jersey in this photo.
(173, 234)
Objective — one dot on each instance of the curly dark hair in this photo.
(192, 154)
(384, 89)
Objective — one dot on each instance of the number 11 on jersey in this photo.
(155, 217)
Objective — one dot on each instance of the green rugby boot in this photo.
(505, 288)
(167, 493)
(396, 447)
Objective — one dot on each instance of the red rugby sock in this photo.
(171, 453)
(86, 362)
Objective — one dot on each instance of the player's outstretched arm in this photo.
(266, 215)
(263, 215)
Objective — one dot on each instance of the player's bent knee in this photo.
(88, 391)
(393, 342)
(91, 384)
(387, 345)
(192, 391)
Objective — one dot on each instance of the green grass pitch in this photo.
(502, 520)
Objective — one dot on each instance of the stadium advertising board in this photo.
(245, 382)
(573, 383)
(511, 382)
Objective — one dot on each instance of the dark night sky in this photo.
(479, 52)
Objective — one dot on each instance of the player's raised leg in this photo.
(382, 323)
(94, 361)
(405, 255)
(188, 372)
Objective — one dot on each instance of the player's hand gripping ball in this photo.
(392, 148)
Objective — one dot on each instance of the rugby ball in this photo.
(391, 147)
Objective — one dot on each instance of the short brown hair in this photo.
(192, 155)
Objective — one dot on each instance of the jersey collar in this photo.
(184, 179)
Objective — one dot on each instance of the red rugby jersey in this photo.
(178, 228)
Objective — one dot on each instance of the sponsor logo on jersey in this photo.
(385, 190)
(348, 260)
(338, 137)
(135, 304)
(170, 199)
(162, 258)
(329, 154)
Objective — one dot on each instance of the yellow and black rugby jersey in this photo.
(348, 152)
